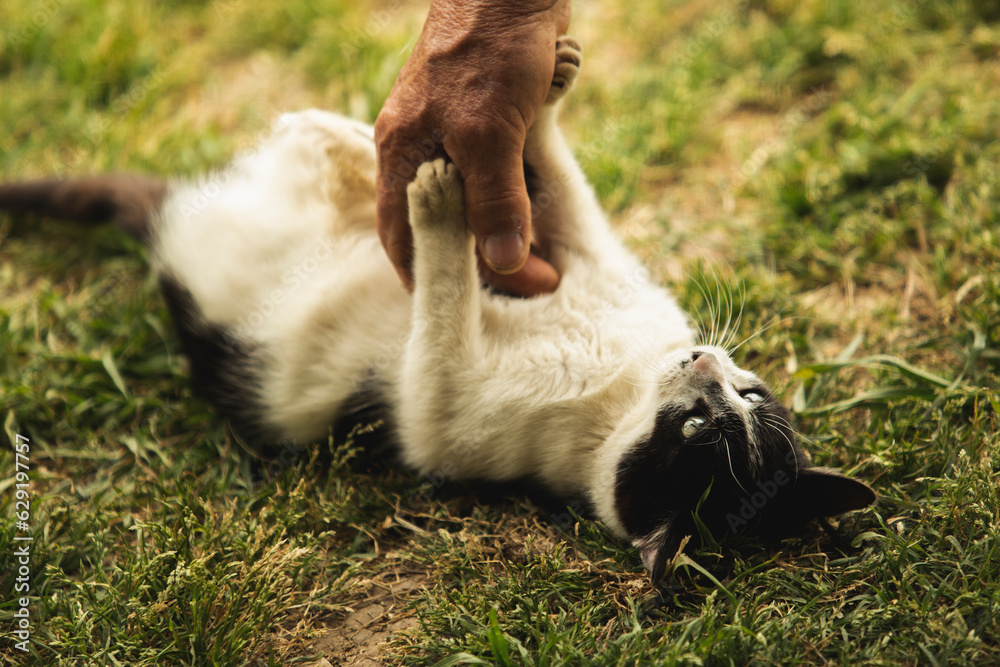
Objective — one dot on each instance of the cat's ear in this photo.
(821, 492)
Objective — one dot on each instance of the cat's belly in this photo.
(350, 328)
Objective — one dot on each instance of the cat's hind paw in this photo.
(569, 57)
(435, 196)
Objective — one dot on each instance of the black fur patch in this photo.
(367, 406)
(125, 199)
(223, 367)
(531, 180)
(662, 479)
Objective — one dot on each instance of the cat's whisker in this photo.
(728, 346)
(699, 330)
(724, 316)
(643, 380)
(711, 312)
(644, 354)
(727, 303)
(710, 302)
(636, 382)
(731, 471)
(770, 323)
(706, 444)
(729, 330)
(782, 425)
(804, 438)
(714, 311)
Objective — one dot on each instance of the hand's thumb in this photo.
(498, 211)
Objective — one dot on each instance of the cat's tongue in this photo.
(649, 553)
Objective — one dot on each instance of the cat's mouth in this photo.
(658, 549)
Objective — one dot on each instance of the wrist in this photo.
(491, 10)
(450, 22)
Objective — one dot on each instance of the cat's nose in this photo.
(707, 365)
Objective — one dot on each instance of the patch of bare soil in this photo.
(357, 636)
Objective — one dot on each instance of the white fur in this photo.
(282, 250)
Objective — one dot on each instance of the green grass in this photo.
(831, 166)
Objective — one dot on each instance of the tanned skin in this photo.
(477, 77)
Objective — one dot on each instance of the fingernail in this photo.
(503, 251)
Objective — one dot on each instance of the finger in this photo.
(536, 277)
(397, 240)
(393, 173)
(563, 10)
(497, 207)
(394, 231)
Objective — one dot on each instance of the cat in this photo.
(293, 321)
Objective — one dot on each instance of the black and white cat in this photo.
(293, 319)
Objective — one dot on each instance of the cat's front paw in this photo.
(569, 57)
(435, 196)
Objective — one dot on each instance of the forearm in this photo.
(485, 31)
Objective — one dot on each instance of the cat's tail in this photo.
(127, 200)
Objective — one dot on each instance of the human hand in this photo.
(471, 89)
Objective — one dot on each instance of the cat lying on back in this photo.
(293, 319)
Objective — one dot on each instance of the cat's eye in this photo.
(692, 426)
(753, 397)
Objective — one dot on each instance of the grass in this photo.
(832, 167)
